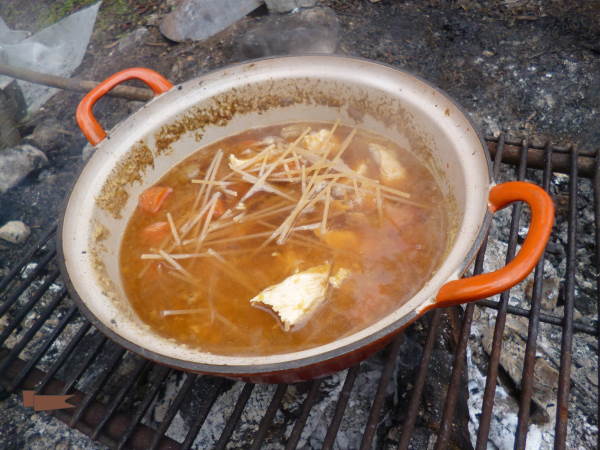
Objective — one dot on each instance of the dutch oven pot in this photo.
(181, 119)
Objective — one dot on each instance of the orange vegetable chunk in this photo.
(152, 199)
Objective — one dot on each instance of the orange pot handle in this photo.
(90, 127)
(488, 284)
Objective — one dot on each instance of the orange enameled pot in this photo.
(181, 119)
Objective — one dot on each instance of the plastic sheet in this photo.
(57, 50)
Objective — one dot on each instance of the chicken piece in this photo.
(297, 297)
(315, 142)
(340, 276)
(390, 168)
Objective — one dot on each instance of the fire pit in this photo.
(502, 372)
(125, 401)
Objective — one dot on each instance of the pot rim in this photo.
(283, 366)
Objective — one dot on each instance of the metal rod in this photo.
(108, 370)
(546, 318)
(41, 351)
(375, 412)
(141, 367)
(235, 416)
(309, 401)
(494, 359)
(267, 419)
(340, 408)
(183, 393)
(32, 330)
(87, 362)
(27, 282)
(73, 84)
(202, 414)
(535, 159)
(597, 227)
(161, 375)
(527, 375)
(417, 392)
(20, 315)
(63, 356)
(564, 377)
(26, 258)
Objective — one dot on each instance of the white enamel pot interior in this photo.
(141, 149)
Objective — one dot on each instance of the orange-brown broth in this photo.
(392, 262)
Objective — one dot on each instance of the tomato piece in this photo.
(152, 199)
(155, 233)
(220, 209)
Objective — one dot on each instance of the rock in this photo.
(47, 135)
(132, 40)
(200, 19)
(283, 6)
(15, 232)
(312, 30)
(18, 162)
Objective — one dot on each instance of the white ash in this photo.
(584, 390)
(15, 232)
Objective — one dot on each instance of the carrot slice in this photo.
(153, 198)
(220, 209)
(154, 233)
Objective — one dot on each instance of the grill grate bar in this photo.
(89, 359)
(63, 356)
(564, 379)
(386, 374)
(121, 417)
(43, 348)
(235, 416)
(310, 400)
(14, 271)
(16, 350)
(545, 318)
(267, 419)
(14, 323)
(461, 349)
(141, 367)
(597, 220)
(183, 393)
(340, 408)
(27, 282)
(202, 414)
(161, 376)
(91, 396)
(494, 362)
(532, 334)
(417, 391)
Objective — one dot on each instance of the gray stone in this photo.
(47, 135)
(283, 6)
(132, 40)
(15, 232)
(200, 19)
(18, 162)
(312, 30)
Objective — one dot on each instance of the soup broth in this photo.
(283, 238)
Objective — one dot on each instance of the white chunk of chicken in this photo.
(390, 168)
(297, 297)
(316, 140)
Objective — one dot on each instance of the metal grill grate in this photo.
(30, 301)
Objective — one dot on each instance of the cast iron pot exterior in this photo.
(182, 119)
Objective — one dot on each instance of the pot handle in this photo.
(485, 285)
(90, 127)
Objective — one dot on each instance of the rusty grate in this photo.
(30, 299)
